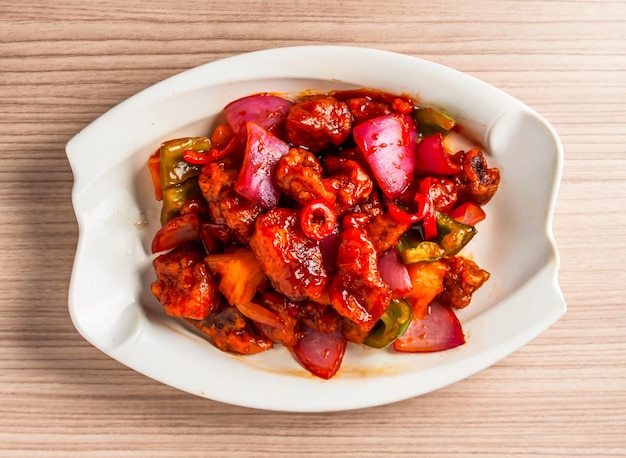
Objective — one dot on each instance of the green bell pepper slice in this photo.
(175, 197)
(178, 177)
(452, 236)
(431, 121)
(174, 168)
(424, 251)
(392, 324)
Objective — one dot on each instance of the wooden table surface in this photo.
(64, 63)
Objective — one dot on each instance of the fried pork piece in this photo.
(357, 291)
(384, 231)
(461, 280)
(372, 206)
(291, 261)
(364, 108)
(230, 331)
(214, 179)
(352, 332)
(240, 215)
(226, 207)
(184, 284)
(325, 319)
(475, 180)
(300, 175)
(288, 311)
(350, 183)
(320, 317)
(318, 122)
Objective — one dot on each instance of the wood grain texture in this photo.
(64, 63)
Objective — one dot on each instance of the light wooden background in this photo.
(64, 63)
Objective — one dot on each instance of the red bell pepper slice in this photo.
(432, 157)
(425, 214)
(468, 213)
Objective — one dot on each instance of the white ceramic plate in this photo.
(110, 300)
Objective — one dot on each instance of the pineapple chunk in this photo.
(427, 281)
(240, 275)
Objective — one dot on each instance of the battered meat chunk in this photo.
(300, 175)
(462, 279)
(384, 231)
(318, 122)
(184, 284)
(291, 260)
(239, 214)
(372, 206)
(349, 181)
(226, 207)
(357, 291)
(320, 317)
(364, 108)
(230, 331)
(288, 311)
(476, 181)
(214, 179)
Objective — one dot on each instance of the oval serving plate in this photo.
(110, 301)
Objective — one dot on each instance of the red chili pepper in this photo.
(222, 136)
(441, 190)
(425, 214)
(317, 220)
(424, 207)
(224, 142)
(429, 224)
(203, 157)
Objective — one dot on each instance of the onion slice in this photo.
(263, 150)
(265, 110)
(319, 353)
(260, 314)
(388, 144)
(439, 330)
(175, 232)
(394, 273)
